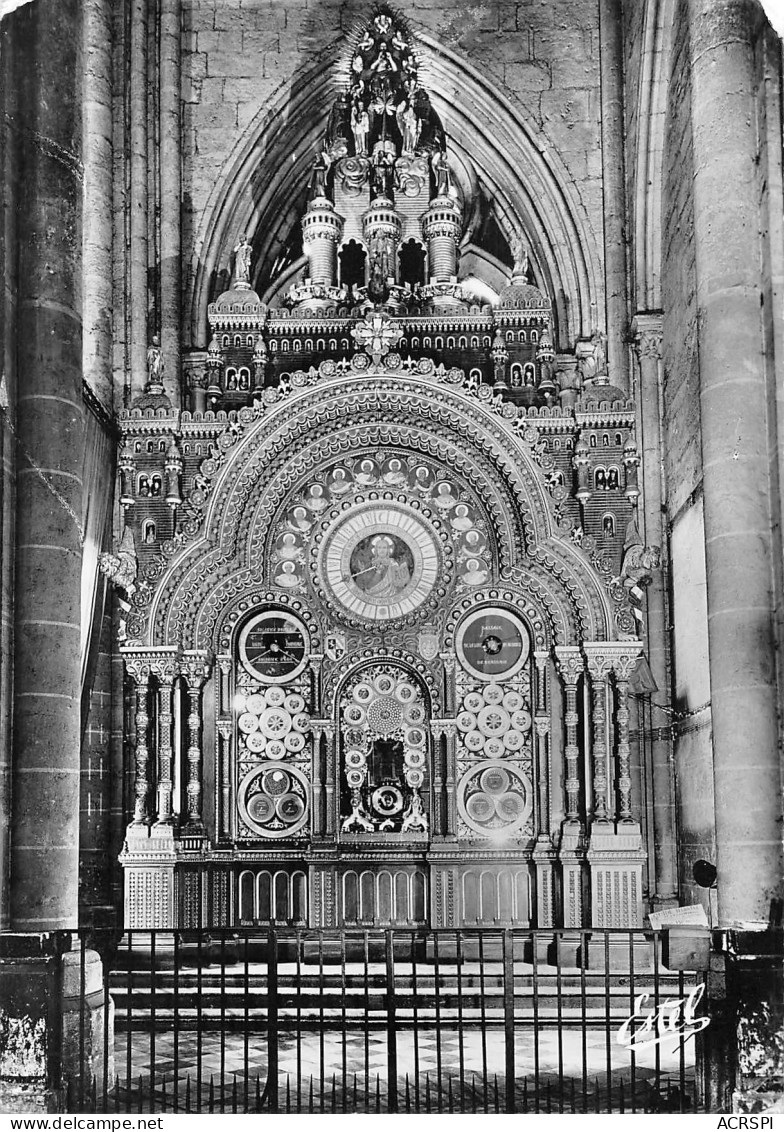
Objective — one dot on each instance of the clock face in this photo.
(381, 562)
(492, 644)
(274, 647)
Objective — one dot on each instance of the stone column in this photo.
(734, 409)
(571, 850)
(148, 856)
(139, 671)
(450, 685)
(49, 451)
(170, 193)
(615, 851)
(223, 823)
(544, 851)
(97, 231)
(437, 731)
(195, 669)
(331, 775)
(137, 251)
(647, 329)
(165, 669)
(450, 781)
(613, 181)
(317, 730)
(623, 670)
(599, 668)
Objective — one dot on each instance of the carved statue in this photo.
(520, 253)
(639, 561)
(595, 364)
(155, 362)
(121, 567)
(414, 817)
(409, 126)
(360, 127)
(242, 254)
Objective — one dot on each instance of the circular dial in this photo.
(492, 643)
(380, 562)
(274, 647)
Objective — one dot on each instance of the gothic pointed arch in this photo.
(262, 186)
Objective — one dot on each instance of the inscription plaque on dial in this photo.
(274, 648)
(492, 644)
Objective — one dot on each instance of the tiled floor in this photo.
(231, 1070)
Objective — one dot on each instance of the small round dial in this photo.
(492, 644)
(274, 646)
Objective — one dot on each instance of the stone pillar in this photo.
(49, 455)
(137, 252)
(571, 850)
(450, 780)
(331, 776)
(599, 668)
(195, 669)
(165, 669)
(97, 214)
(170, 193)
(544, 851)
(613, 182)
(734, 411)
(318, 730)
(223, 822)
(615, 853)
(437, 731)
(647, 329)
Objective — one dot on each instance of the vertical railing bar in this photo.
(559, 1008)
(366, 976)
(106, 1029)
(608, 1013)
(246, 1019)
(535, 1004)
(176, 1022)
(656, 993)
(298, 976)
(437, 1000)
(153, 1008)
(633, 1023)
(509, 1021)
(681, 1046)
(199, 990)
(129, 1012)
(483, 1014)
(82, 1022)
(391, 1022)
(222, 1082)
(272, 1019)
(343, 1050)
(322, 1022)
(415, 1018)
(460, 1036)
(584, 1011)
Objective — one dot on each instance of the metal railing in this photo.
(301, 1020)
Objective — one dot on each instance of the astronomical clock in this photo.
(382, 634)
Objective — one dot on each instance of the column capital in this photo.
(570, 662)
(143, 663)
(620, 657)
(443, 727)
(647, 333)
(195, 666)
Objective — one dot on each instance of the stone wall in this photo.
(240, 60)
